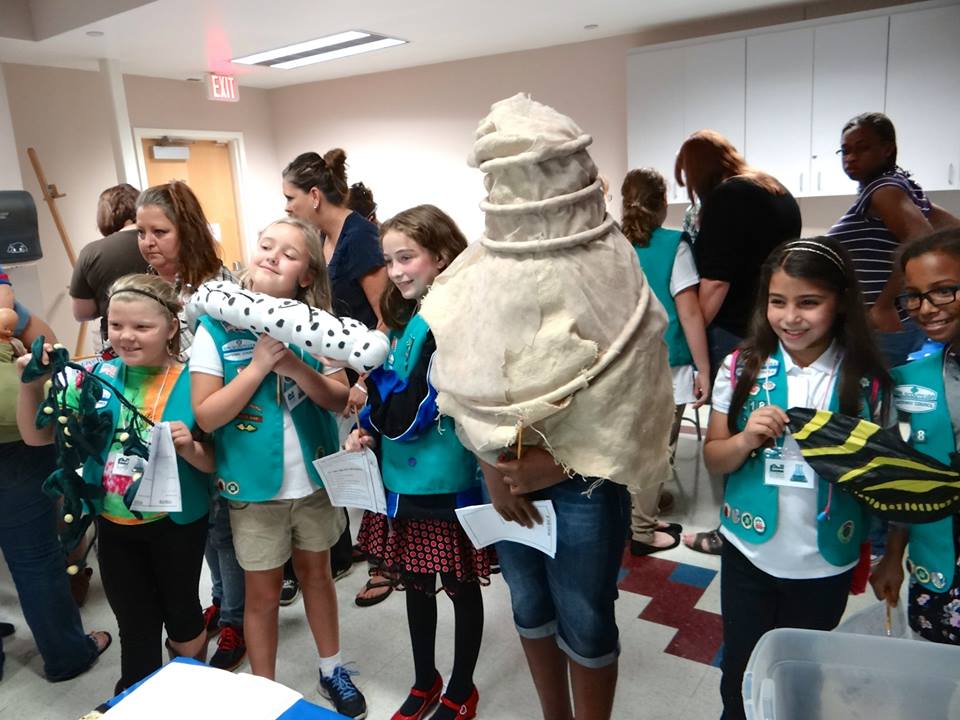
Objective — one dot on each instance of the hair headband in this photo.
(819, 248)
(145, 293)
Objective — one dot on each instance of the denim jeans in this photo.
(28, 539)
(225, 571)
(572, 595)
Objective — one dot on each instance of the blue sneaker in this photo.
(340, 690)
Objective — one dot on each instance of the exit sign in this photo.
(222, 87)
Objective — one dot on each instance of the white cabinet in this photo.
(778, 111)
(849, 74)
(923, 94)
(675, 91)
(654, 113)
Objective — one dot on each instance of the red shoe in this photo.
(429, 697)
(466, 711)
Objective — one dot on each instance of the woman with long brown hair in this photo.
(744, 214)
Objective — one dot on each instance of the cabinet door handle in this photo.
(801, 182)
(818, 181)
(950, 174)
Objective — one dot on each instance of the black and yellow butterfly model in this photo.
(876, 466)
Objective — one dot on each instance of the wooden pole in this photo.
(50, 195)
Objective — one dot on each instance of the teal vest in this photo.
(750, 507)
(195, 485)
(919, 391)
(657, 260)
(249, 448)
(435, 462)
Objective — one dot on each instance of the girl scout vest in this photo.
(750, 507)
(249, 448)
(919, 391)
(434, 462)
(195, 486)
(657, 260)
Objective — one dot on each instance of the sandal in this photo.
(670, 528)
(102, 639)
(639, 549)
(709, 542)
(376, 582)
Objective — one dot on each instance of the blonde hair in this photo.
(317, 294)
(139, 286)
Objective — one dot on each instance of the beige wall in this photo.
(407, 133)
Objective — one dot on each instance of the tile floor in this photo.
(667, 612)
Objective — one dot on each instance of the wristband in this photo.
(361, 388)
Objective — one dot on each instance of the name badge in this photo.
(292, 394)
(787, 470)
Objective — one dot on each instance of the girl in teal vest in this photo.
(928, 390)
(790, 543)
(150, 562)
(270, 408)
(426, 471)
(667, 261)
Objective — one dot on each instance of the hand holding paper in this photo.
(352, 479)
(484, 525)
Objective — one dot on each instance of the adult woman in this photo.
(890, 209)
(744, 214)
(317, 192)
(176, 242)
(108, 259)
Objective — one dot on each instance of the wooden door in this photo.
(209, 173)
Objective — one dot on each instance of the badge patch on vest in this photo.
(231, 488)
(245, 427)
(109, 370)
(759, 525)
(726, 510)
(915, 398)
(845, 533)
(769, 369)
(104, 399)
(746, 520)
(238, 350)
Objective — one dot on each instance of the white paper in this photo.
(484, 526)
(159, 489)
(352, 479)
(197, 692)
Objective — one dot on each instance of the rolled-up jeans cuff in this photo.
(592, 663)
(548, 629)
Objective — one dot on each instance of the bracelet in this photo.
(361, 388)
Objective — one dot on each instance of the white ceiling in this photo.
(185, 38)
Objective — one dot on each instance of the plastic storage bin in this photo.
(814, 675)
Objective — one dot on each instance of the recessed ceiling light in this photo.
(94, 33)
(331, 47)
(591, 26)
(194, 79)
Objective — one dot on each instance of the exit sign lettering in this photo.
(222, 88)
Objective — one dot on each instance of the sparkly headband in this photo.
(818, 248)
(145, 293)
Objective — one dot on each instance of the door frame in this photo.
(238, 167)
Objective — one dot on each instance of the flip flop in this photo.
(708, 542)
(101, 633)
(639, 549)
(671, 529)
(374, 585)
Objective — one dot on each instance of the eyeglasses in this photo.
(911, 301)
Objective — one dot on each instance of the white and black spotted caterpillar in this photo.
(290, 321)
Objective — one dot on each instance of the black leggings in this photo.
(468, 633)
(151, 575)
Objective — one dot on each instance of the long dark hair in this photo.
(644, 195)
(433, 230)
(945, 241)
(823, 262)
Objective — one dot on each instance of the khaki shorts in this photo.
(265, 532)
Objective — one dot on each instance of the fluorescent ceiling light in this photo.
(342, 52)
(351, 42)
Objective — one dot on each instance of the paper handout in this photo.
(159, 489)
(352, 479)
(484, 526)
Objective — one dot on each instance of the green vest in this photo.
(435, 462)
(249, 448)
(657, 260)
(195, 485)
(919, 391)
(750, 507)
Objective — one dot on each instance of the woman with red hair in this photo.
(744, 214)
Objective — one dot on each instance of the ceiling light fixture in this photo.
(94, 33)
(591, 26)
(331, 47)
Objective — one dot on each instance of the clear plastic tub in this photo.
(813, 675)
